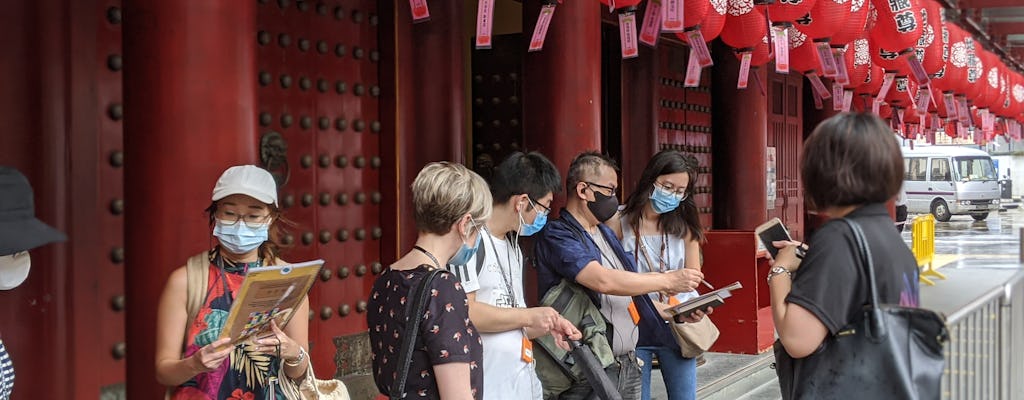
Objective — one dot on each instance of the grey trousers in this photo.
(625, 373)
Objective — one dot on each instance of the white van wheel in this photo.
(979, 217)
(941, 210)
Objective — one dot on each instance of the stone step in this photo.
(732, 376)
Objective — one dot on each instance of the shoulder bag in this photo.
(888, 352)
(412, 331)
(693, 338)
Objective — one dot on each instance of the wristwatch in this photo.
(778, 270)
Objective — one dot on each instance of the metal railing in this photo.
(985, 353)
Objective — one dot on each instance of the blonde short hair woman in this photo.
(451, 205)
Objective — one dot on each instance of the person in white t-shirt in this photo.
(523, 187)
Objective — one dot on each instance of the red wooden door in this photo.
(319, 127)
(785, 135)
(684, 119)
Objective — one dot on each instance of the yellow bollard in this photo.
(923, 246)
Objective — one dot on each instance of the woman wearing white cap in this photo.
(246, 222)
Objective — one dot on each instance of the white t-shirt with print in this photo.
(500, 283)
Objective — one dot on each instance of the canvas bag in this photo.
(693, 338)
(888, 352)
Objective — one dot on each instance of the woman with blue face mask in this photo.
(246, 223)
(661, 227)
(451, 205)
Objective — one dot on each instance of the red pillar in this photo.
(741, 145)
(639, 115)
(190, 96)
(423, 81)
(562, 82)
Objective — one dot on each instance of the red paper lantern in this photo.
(990, 81)
(694, 12)
(712, 24)
(897, 25)
(617, 4)
(803, 58)
(854, 26)
(975, 70)
(760, 54)
(1016, 96)
(901, 93)
(745, 25)
(953, 77)
(858, 62)
(890, 61)
(824, 19)
(930, 46)
(872, 82)
(789, 10)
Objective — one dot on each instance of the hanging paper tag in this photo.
(484, 23)
(847, 100)
(651, 28)
(920, 76)
(837, 96)
(931, 95)
(900, 126)
(692, 71)
(963, 111)
(886, 84)
(817, 100)
(420, 11)
(744, 77)
(672, 16)
(780, 37)
(930, 136)
(697, 43)
(923, 98)
(826, 59)
(540, 31)
(935, 121)
(818, 86)
(627, 35)
(876, 107)
(987, 122)
(951, 112)
(527, 355)
(842, 75)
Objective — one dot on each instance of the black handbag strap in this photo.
(877, 326)
(413, 311)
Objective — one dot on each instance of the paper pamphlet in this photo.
(269, 293)
(702, 302)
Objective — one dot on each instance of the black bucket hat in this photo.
(19, 228)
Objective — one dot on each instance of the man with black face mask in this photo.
(578, 247)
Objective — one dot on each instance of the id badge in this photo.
(527, 350)
(634, 313)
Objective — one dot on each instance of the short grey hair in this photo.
(445, 191)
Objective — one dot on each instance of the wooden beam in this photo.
(989, 3)
(1005, 28)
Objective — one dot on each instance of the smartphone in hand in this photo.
(771, 231)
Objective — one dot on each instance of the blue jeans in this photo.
(679, 374)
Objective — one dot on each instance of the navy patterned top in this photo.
(446, 333)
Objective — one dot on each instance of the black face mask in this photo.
(603, 207)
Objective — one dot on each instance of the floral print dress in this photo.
(244, 374)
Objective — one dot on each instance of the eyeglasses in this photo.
(680, 193)
(545, 210)
(229, 217)
(611, 191)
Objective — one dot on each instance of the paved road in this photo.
(961, 244)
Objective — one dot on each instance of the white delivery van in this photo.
(950, 180)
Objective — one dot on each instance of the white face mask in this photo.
(14, 269)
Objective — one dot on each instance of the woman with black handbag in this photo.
(841, 334)
(660, 225)
(423, 342)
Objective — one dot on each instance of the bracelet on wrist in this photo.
(298, 360)
(778, 270)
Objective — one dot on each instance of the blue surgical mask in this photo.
(529, 229)
(465, 252)
(663, 200)
(239, 238)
